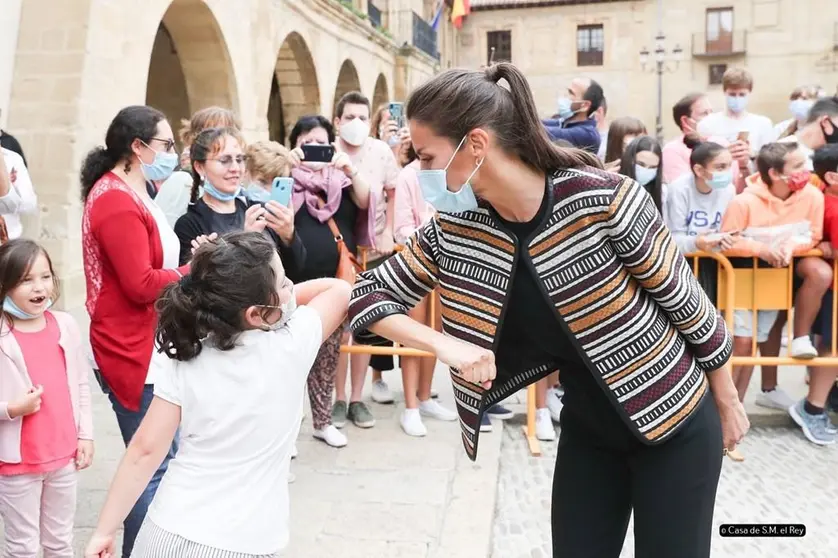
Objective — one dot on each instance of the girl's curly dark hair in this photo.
(227, 276)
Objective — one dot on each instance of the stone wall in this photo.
(77, 62)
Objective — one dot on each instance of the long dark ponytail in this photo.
(457, 101)
(134, 122)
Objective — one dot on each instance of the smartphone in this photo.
(281, 190)
(317, 153)
(397, 113)
(743, 136)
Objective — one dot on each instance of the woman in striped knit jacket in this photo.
(543, 261)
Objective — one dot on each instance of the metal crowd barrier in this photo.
(752, 289)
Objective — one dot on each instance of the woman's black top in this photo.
(200, 219)
(321, 249)
(532, 333)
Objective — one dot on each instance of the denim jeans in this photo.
(129, 422)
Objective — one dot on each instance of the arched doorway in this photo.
(380, 94)
(294, 89)
(190, 66)
(347, 81)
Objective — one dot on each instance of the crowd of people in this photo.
(219, 272)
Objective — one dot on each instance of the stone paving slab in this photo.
(385, 495)
(784, 479)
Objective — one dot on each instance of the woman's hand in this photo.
(388, 129)
(735, 423)
(342, 162)
(101, 546)
(280, 219)
(471, 362)
(254, 219)
(84, 454)
(203, 239)
(705, 244)
(296, 157)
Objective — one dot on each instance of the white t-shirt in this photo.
(689, 213)
(173, 196)
(21, 197)
(171, 254)
(759, 128)
(240, 414)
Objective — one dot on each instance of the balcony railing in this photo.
(424, 36)
(733, 43)
(374, 13)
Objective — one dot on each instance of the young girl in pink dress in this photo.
(46, 423)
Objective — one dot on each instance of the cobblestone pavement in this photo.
(784, 479)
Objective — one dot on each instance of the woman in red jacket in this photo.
(130, 254)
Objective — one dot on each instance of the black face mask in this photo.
(833, 137)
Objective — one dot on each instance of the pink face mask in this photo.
(798, 180)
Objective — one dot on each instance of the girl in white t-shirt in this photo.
(236, 350)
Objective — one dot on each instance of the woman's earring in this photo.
(127, 167)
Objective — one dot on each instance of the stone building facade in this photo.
(68, 66)
(784, 43)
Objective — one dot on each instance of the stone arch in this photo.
(294, 88)
(190, 67)
(381, 93)
(348, 80)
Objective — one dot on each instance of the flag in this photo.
(459, 10)
(438, 14)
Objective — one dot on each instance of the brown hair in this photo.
(619, 129)
(210, 301)
(205, 144)
(210, 117)
(351, 98)
(377, 119)
(16, 259)
(773, 156)
(684, 107)
(737, 78)
(266, 160)
(457, 101)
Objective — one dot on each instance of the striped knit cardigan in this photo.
(641, 323)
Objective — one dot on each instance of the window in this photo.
(719, 31)
(717, 71)
(501, 42)
(590, 44)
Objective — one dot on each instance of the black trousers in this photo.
(601, 477)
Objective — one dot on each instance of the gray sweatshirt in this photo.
(688, 213)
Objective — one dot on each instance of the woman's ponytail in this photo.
(97, 162)
(177, 321)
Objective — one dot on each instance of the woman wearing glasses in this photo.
(130, 254)
(218, 167)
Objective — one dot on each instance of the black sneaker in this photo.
(485, 423)
(500, 412)
(832, 400)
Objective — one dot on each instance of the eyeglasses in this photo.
(228, 160)
(167, 143)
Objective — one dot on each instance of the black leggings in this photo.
(671, 487)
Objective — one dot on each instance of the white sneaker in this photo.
(554, 402)
(381, 392)
(331, 436)
(775, 399)
(544, 429)
(432, 408)
(411, 421)
(801, 347)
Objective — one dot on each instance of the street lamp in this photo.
(665, 62)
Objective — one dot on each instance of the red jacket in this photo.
(123, 257)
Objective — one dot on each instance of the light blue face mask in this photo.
(565, 108)
(644, 175)
(255, 192)
(287, 310)
(13, 309)
(800, 108)
(737, 105)
(218, 194)
(720, 179)
(434, 184)
(162, 167)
